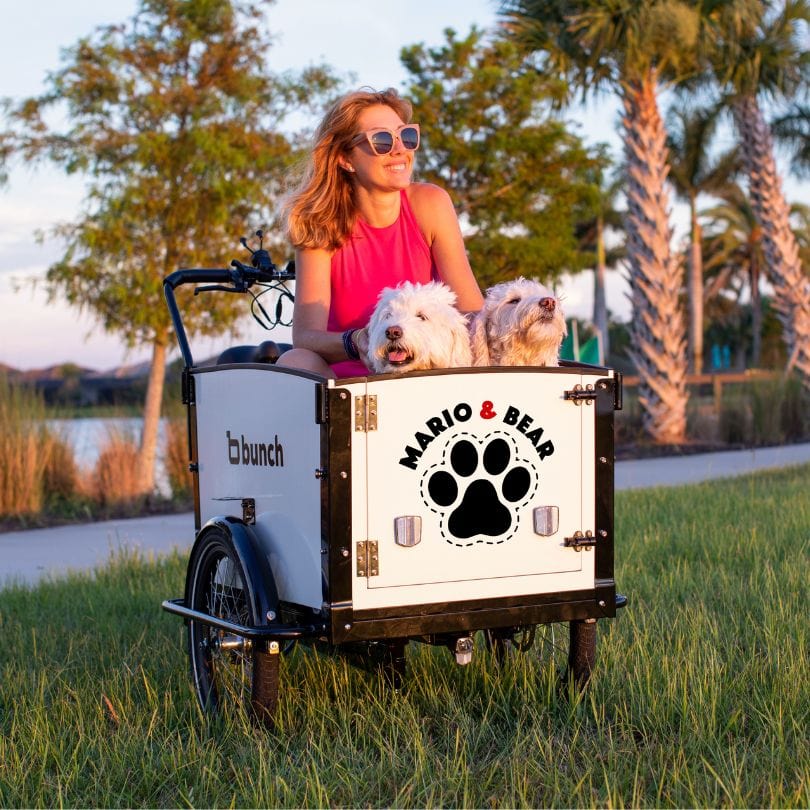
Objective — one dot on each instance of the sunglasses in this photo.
(382, 141)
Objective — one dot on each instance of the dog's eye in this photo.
(421, 316)
(513, 301)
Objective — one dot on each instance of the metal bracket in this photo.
(578, 394)
(580, 541)
(365, 413)
(367, 559)
(249, 511)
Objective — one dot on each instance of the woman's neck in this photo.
(378, 209)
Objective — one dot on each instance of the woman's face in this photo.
(385, 172)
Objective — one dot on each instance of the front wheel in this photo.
(230, 673)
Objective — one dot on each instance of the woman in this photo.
(359, 224)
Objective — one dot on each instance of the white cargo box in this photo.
(393, 496)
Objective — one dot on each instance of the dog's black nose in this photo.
(547, 304)
(393, 333)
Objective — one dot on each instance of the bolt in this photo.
(343, 395)
(344, 474)
(274, 648)
(602, 460)
(347, 627)
(344, 552)
(271, 615)
(601, 603)
(602, 533)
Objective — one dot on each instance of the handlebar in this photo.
(239, 277)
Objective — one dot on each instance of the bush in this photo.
(176, 458)
(114, 479)
(24, 446)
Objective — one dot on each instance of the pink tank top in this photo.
(369, 260)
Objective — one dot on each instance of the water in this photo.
(87, 437)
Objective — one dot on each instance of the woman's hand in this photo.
(360, 338)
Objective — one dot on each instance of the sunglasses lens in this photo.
(382, 142)
(409, 137)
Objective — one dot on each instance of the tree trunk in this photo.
(657, 332)
(783, 264)
(600, 314)
(695, 288)
(151, 419)
(756, 316)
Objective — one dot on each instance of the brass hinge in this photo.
(368, 564)
(365, 412)
(578, 394)
(580, 541)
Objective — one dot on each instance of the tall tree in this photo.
(516, 175)
(174, 120)
(694, 170)
(792, 128)
(735, 256)
(630, 47)
(602, 216)
(765, 57)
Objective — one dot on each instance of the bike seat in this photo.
(266, 352)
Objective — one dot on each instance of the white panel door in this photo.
(471, 455)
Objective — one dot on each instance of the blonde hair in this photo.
(320, 210)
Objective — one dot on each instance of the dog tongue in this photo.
(397, 356)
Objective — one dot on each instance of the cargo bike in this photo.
(466, 508)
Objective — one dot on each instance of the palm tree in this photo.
(735, 256)
(792, 128)
(767, 58)
(590, 232)
(630, 47)
(694, 171)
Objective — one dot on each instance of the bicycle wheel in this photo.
(230, 673)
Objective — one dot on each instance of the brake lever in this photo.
(216, 288)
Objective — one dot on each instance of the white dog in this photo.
(417, 326)
(520, 324)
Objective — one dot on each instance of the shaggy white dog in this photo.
(417, 326)
(520, 324)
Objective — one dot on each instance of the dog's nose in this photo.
(547, 304)
(393, 332)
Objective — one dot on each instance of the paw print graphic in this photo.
(480, 494)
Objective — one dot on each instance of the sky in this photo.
(355, 37)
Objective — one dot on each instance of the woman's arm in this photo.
(438, 222)
(311, 311)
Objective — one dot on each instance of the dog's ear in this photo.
(460, 351)
(478, 339)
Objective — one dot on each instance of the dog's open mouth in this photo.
(398, 355)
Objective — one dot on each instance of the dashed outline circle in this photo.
(481, 444)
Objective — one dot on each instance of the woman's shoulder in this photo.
(426, 194)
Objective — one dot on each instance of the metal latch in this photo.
(249, 511)
(578, 394)
(580, 541)
(365, 412)
(368, 563)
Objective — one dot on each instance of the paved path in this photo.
(27, 556)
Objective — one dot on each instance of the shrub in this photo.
(176, 458)
(114, 479)
(24, 446)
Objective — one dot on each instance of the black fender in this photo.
(253, 561)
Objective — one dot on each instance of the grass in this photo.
(700, 697)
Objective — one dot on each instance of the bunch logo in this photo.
(254, 454)
(478, 484)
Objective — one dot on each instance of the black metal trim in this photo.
(337, 516)
(262, 366)
(263, 633)
(455, 617)
(604, 490)
(565, 367)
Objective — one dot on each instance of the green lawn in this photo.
(700, 697)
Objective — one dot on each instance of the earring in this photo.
(349, 168)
